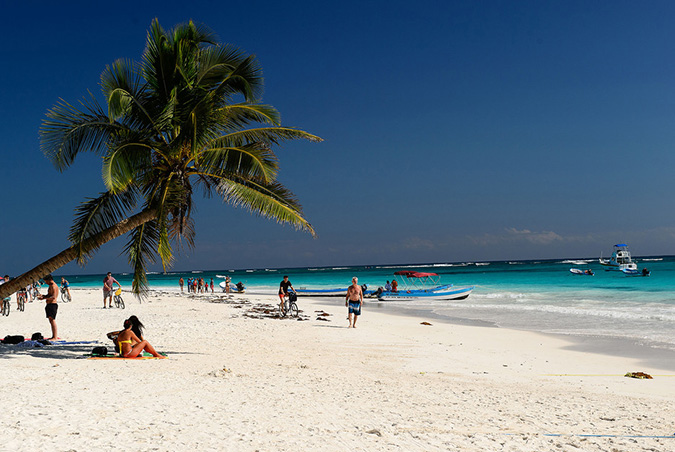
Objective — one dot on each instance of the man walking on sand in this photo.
(354, 301)
(52, 306)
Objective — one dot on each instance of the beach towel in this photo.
(138, 358)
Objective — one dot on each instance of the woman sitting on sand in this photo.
(136, 326)
(130, 345)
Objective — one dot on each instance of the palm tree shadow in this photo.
(55, 351)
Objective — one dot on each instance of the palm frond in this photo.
(269, 135)
(253, 161)
(69, 131)
(141, 249)
(242, 114)
(245, 79)
(125, 164)
(272, 201)
(96, 215)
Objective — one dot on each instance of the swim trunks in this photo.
(355, 307)
(50, 310)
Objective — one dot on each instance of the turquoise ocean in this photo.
(538, 295)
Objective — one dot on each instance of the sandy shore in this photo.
(239, 379)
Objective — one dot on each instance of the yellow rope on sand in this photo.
(597, 375)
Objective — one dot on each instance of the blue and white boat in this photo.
(621, 259)
(418, 285)
(643, 272)
(304, 292)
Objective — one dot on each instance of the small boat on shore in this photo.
(578, 271)
(620, 260)
(417, 285)
(304, 292)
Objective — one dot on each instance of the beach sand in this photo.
(238, 379)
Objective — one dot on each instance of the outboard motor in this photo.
(240, 286)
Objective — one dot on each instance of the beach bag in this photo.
(100, 351)
(13, 340)
(36, 337)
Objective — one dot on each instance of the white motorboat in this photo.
(621, 259)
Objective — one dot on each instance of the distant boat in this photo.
(417, 285)
(620, 260)
(578, 271)
(643, 272)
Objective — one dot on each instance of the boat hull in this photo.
(459, 293)
(341, 292)
(609, 266)
(577, 271)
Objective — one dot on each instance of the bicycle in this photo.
(119, 302)
(6, 306)
(21, 300)
(65, 296)
(35, 292)
(289, 305)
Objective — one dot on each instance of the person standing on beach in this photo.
(354, 301)
(180, 283)
(108, 282)
(211, 285)
(52, 307)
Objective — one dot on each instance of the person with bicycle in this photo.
(65, 286)
(9, 298)
(21, 297)
(52, 306)
(108, 282)
(283, 291)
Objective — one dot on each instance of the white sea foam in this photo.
(577, 262)
(480, 264)
(652, 260)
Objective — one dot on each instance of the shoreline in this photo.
(649, 353)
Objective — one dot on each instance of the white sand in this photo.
(243, 384)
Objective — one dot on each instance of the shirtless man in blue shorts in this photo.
(354, 301)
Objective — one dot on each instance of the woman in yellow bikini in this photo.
(130, 346)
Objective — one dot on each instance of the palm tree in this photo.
(186, 118)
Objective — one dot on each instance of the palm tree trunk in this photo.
(67, 255)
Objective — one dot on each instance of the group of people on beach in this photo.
(196, 285)
(129, 342)
(353, 301)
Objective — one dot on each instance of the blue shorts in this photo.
(355, 308)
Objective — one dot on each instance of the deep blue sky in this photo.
(454, 131)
